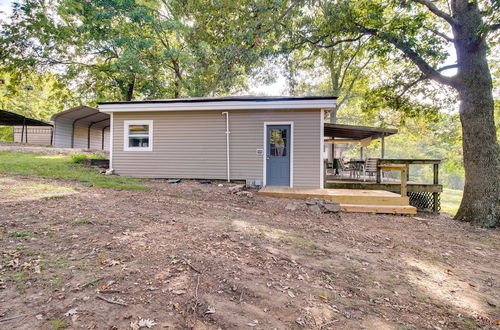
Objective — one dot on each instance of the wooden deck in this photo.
(351, 200)
(388, 186)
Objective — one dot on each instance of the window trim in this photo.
(126, 124)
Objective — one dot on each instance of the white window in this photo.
(138, 135)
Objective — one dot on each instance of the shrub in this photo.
(78, 158)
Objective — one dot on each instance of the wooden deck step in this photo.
(382, 209)
(342, 196)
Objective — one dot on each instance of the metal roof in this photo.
(84, 116)
(356, 132)
(9, 118)
(250, 98)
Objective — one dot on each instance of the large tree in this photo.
(422, 32)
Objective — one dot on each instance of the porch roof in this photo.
(352, 132)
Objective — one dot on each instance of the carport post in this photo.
(103, 129)
(22, 132)
(88, 133)
(73, 128)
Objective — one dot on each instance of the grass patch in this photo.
(26, 189)
(450, 200)
(78, 158)
(20, 233)
(58, 324)
(80, 222)
(62, 167)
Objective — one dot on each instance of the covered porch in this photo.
(372, 173)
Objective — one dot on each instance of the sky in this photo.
(5, 8)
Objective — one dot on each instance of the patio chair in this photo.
(355, 168)
(370, 167)
(343, 167)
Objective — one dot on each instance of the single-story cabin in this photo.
(276, 141)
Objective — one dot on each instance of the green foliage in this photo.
(61, 167)
(58, 324)
(120, 50)
(6, 133)
(47, 94)
(19, 234)
(78, 158)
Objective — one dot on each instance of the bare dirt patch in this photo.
(190, 255)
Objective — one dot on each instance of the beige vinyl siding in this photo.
(192, 144)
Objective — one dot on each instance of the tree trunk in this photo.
(481, 199)
(130, 90)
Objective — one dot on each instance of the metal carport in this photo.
(8, 118)
(81, 127)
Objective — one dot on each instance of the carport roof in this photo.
(84, 116)
(9, 118)
(356, 132)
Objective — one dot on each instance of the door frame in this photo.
(291, 143)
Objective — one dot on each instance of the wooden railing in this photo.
(389, 161)
(385, 163)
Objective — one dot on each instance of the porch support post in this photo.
(382, 152)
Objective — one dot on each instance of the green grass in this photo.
(450, 200)
(19, 234)
(78, 158)
(58, 324)
(62, 167)
(80, 222)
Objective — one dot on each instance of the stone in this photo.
(332, 207)
(237, 188)
(110, 172)
(291, 207)
(245, 193)
(315, 208)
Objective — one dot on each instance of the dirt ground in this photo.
(11, 146)
(192, 255)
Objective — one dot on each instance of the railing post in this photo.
(379, 172)
(404, 173)
(435, 196)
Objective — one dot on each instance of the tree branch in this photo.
(447, 67)
(442, 35)
(494, 27)
(436, 11)
(293, 5)
(400, 44)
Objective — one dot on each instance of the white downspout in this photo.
(227, 145)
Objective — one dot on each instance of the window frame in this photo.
(126, 135)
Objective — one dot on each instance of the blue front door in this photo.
(278, 155)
